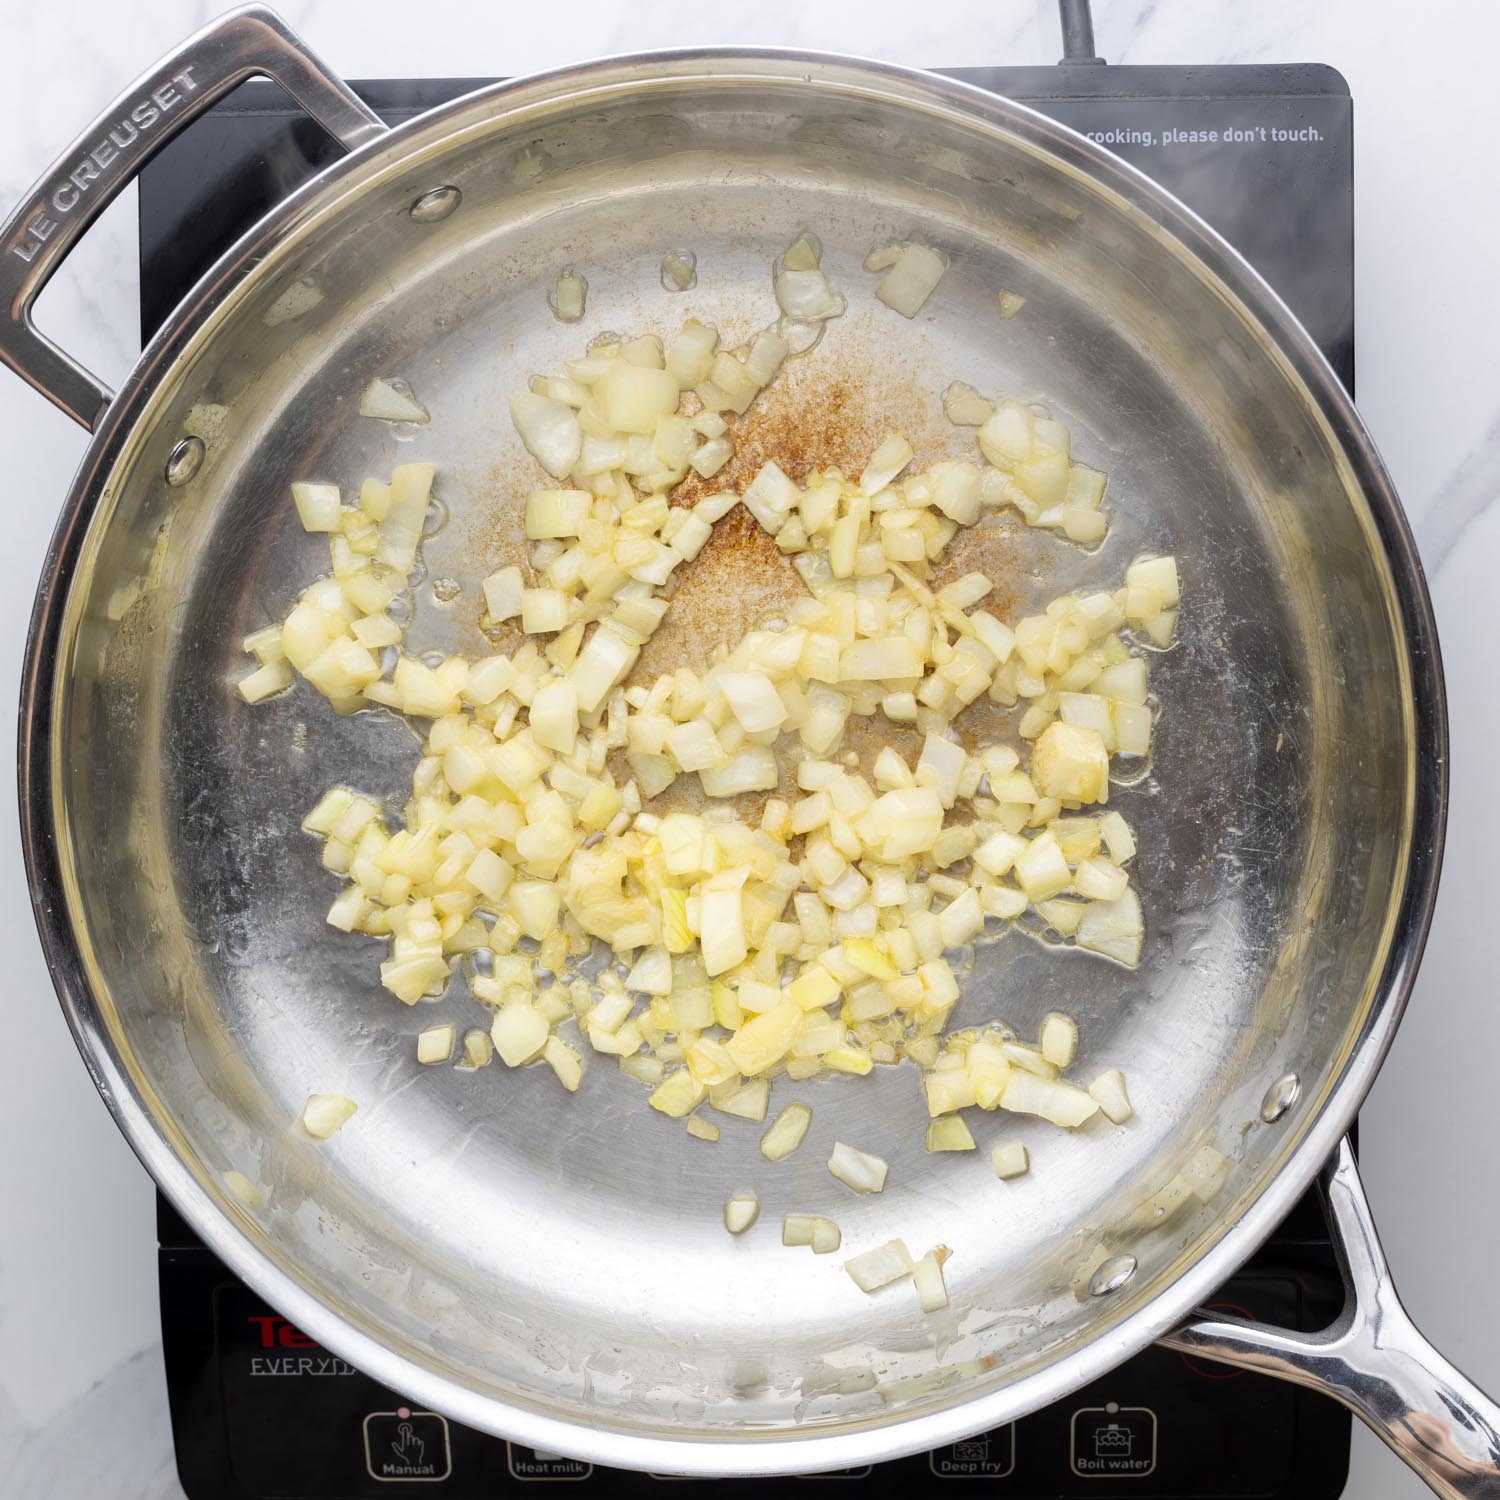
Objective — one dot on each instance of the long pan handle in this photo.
(37, 237)
(1372, 1359)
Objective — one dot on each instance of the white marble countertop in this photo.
(82, 1399)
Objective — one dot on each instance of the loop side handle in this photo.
(37, 237)
(1372, 1359)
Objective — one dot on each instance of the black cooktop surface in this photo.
(1265, 154)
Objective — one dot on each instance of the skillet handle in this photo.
(1372, 1358)
(37, 237)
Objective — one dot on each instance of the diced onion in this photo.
(752, 770)
(1099, 880)
(956, 491)
(803, 934)
(677, 1094)
(519, 1033)
(1041, 869)
(679, 270)
(857, 1169)
(478, 1049)
(711, 456)
(1158, 573)
(786, 1132)
(741, 1212)
(568, 297)
(1115, 928)
(1059, 1041)
(1010, 1160)
(543, 611)
(556, 513)
(566, 1062)
(770, 497)
(754, 701)
(318, 506)
(885, 463)
(691, 353)
(390, 402)
(636, 398)
(604, 660)
(1071, 763)
(932, 1291)
(1109, 1089)
(797, 1229)
(435, 1044)
(265, 682)
(325, 1113)
(912, 279)
(1117, 837)
(807, 296)
(1060, 1103)
(766, 356)
(805, 253)
(950, 1133)
(747, 1102)
(822, 1235)
(549, 430)
(554, 715)
(880, 1267)
(965, 407)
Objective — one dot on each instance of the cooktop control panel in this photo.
(261, 1410)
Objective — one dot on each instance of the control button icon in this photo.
(533, 1464)
(407, 1447)
(1113, 1441)
(991, 1455)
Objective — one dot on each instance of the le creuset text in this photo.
(121, 136)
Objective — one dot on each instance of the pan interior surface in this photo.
(527, 1256)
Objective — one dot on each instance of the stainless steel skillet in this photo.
(553, 1268)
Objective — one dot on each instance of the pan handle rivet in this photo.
(1112, 1275)
(1280, 1097)
(184, 461)
(435, 206)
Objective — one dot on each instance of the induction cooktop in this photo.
(1265, 154)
